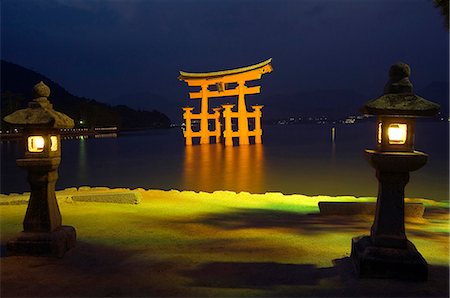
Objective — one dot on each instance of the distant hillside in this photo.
(336, 104)
(16, 85)
(137, 100)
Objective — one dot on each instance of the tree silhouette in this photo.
(443, 6)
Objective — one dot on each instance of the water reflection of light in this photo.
(333, 145)
(105, 135)
(215, 167)
(82, 161)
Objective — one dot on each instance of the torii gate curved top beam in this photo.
(184, 76)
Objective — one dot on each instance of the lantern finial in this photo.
(398, 98)
(399, 79)
(40, 112)
(41, 90)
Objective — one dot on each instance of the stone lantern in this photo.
(387, 253)
(42, 233)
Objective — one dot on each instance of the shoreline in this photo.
(80, 131)
(67, 194)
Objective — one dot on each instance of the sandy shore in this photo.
(222, 244)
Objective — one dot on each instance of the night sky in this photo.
(130, 52)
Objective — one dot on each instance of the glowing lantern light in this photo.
(397, 133)
(36, 143)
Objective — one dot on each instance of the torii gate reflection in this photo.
(223, 84)
(214, 167)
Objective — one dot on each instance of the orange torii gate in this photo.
(221, 84)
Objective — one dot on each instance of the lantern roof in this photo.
(40, 112)
(398, 97)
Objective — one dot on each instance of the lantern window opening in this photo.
(53, 143)
(397, 133)
(380, 132)
(36, 144)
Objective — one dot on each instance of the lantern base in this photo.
(55, 243)
(384, 262)
(396, 161)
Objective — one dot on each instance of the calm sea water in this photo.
(299, 159)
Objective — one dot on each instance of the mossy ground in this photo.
(222, 244)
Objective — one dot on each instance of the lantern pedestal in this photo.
(387, 253)
(375, 261)
(42, 231)
(55, 243)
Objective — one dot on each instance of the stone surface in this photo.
(130, 197)
(396, 161)
(387, 253)
(43, 213)
(84, 188)
(399, 79)
(119, 196)
(55, 243)
(401, 104)
(388, 227)
(41, 90)
(365, 208)
(14, 200)
(66, 192)
(372, 261)
(392, 172)
(100, 188)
